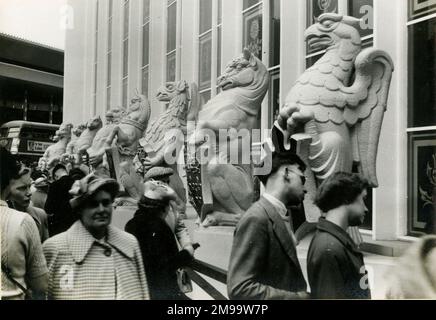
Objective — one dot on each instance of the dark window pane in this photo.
(422, 183)
(205, 73)
(109, 36)
(219, 40)
(124, 102)
(205, 15)
(253, 31)
(249, 3)
(108, 98)
(172, 27)
(274, 98)
(145, 44)
(220, 11)
(171, 67)
(146, 11)
(111, 5)
(312, 60)
(126, 20)
(363, 9)
(204, 98)
(109, 68)
(419, 8)
(422, 72)
(275, 33)
(145, 81)
(125, 58)
(316, 8)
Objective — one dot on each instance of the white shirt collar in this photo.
(278, 205)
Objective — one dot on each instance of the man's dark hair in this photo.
(279, 159)
(341, 188)
(9, 168)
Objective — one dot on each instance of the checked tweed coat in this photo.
(82, 268)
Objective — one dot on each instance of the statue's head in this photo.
(170, 90)
(138, 111)
(77, 131)
(333, 30)
(95, 123)
(242, 71)
(138, 102)
(64, 130)
(114, 115)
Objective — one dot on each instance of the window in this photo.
(209, 48)
(256, 25)
(109, 56)
(421, 118)
(362, 9)
(171, 51)
(94, 93)
(145, 65)
(125, 53)
(274, 62)
(252, 17)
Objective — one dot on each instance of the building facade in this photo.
(119, 46)
(31, 81)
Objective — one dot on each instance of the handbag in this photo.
(184, 281)
(8, 273)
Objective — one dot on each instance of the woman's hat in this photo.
(83, 189)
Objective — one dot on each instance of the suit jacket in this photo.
(263, 263)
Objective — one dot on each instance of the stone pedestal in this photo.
(215, 245)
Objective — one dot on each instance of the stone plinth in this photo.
(215, 245)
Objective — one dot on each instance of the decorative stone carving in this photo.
(338, 104)
(87, 137)
(98, 147)
(166, 135)
(53, 154)
(70, 155)
(126, 137)
(228, 186)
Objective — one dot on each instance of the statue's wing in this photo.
(366, 104)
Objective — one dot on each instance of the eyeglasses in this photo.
(302, 176)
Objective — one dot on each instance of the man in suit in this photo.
(263, 263)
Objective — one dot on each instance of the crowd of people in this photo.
(70, 250)
(57, 241)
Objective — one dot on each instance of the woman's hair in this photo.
(341, 188)
(9, 168)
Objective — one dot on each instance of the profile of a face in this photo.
(295, 186)
(357, 210)
(96, 214)
(20, 191)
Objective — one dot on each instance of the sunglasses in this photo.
(302, 176)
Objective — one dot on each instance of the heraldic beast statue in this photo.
(338, 103)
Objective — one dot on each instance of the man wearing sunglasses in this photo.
(263, 262)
